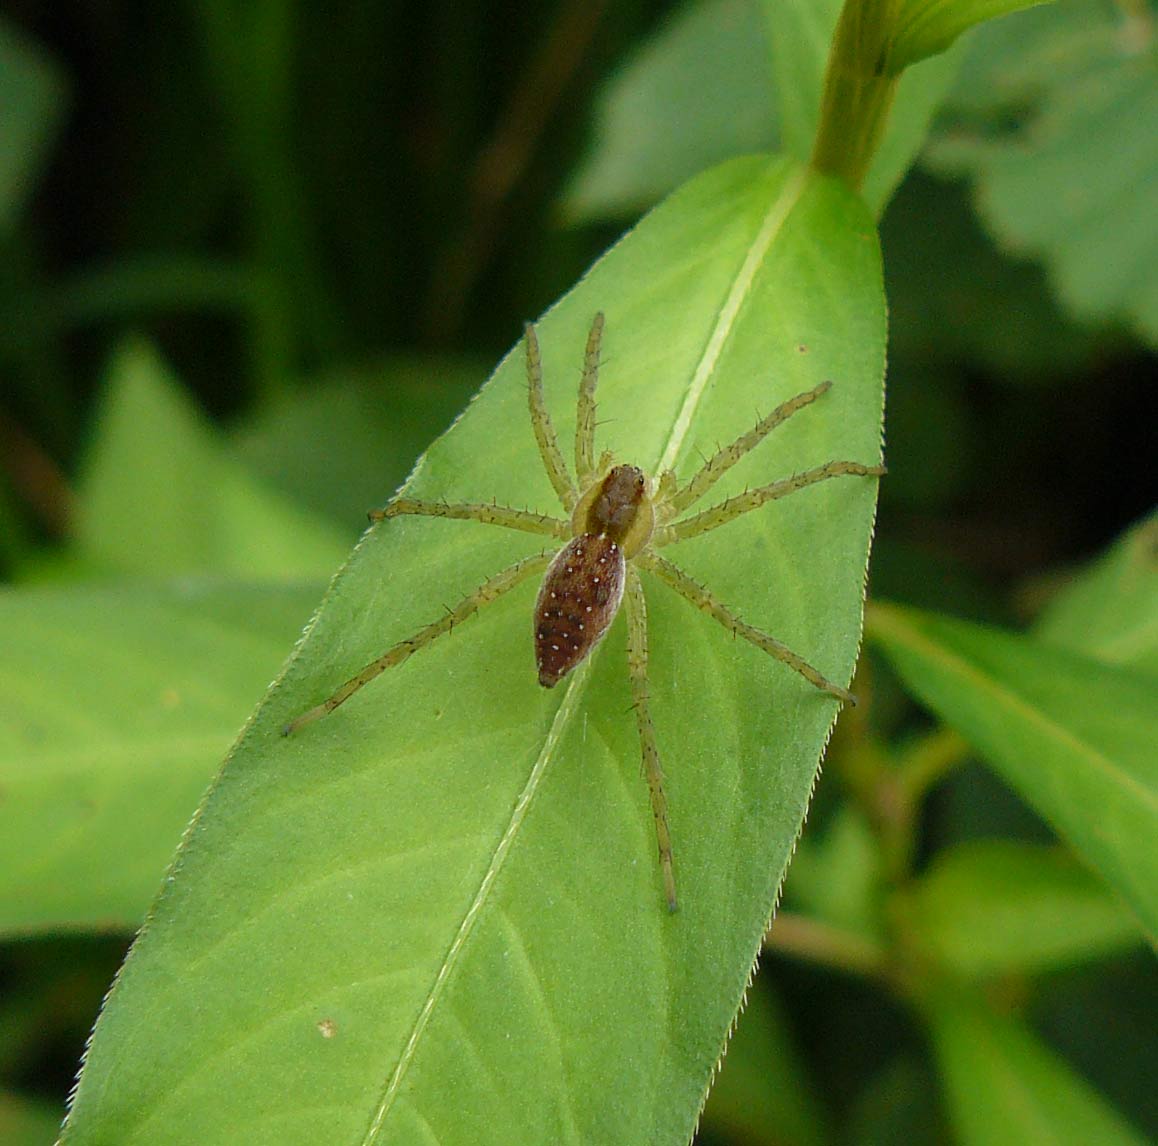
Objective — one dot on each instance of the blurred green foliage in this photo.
(254, 258)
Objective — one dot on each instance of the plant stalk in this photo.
(858, 91)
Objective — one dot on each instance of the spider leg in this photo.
(490, 590)
(754, 498)
(503, 515)
(697, 595)
(541, 423)
(724, 459)
(585, 421)
(637, 670)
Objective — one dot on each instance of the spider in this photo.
(617, 520)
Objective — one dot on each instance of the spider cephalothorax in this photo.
(617, 520)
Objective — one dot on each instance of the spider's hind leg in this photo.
(637, 669)
(490, 590)
(697, 595)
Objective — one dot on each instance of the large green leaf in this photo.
(437, 914)
(1004, 1085)
(1073, 736)
(116, 705)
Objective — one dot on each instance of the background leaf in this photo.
(801, 32)
(1004, 1085)
(343, 446)
(25, 1123)
(1110, 609)
(1075, 738)
(171, 501)
(698, 92)
(1055, 121)
(32, 94)
(727, 77)
(996, 906)
(116, 706)
(439, 910)
(763, 1094)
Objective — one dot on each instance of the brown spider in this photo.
(617, 521)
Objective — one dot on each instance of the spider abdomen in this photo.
(580, 596)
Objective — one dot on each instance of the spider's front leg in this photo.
(545, 437)
(752, 499)
(724, 459)
(487, 514)
(636, 607)
(585, 415)
(694, 593)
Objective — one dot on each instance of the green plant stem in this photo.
(903, 789)
(858, 91)
(817, 942)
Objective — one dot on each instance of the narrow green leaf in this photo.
(928, 27)
(995, 906)
(1074, 737)
(1005, 1086)
(437, 914)
(116, 705)
(1110, 610)
(170, 500)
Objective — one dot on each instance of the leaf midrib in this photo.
(522, 806)
(770, 227)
